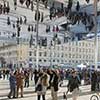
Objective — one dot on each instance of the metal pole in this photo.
(96, 37)
(37, 31)
(18, 45)
(51, 54)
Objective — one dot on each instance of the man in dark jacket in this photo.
(26, 74)
(54, 85)
(36, 76)
(73, 85)
(12, 80)
(93, 80)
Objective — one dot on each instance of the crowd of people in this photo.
(51, 79)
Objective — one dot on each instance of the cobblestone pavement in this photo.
(29, 93)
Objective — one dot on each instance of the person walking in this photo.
(0, 74)
(41, 86)
(73, 85)
(7, 73)
(93, 80)
(26, 74)
(19, 81)
(4, 73)
(12, 81)
(54, 84)
(36, 77)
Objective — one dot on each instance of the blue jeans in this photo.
(12, 91)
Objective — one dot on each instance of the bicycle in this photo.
(95, 97)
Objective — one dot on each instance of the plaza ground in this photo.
(29, 93)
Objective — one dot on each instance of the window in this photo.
(76, 61)
(69, 55)
(62, 48)
(89, 50)
(62, 55)
(69, 43)
(89, 44)
(45, 54)
(83, 56)
(86, 50)
(30, 59)
(76, 55)
(40, 53)
(73, 50)
(92, 45)
(73, 56)
(79, 50)
(55, 54)
(58, 47)
(62, 61)
(86, 56)
(76, 49)
(65, 55)
(53, 60)
(30, 53)
(69, 48)
(44, 60)
(34, 53)
(92, 51)
(65, 48)
(83, 49)
(34, 60)
(79, 56)
(83, 44)
(86, 45)
(76, 43)
(9, 53)
(79, 44)
(57, 60)
(40, 60)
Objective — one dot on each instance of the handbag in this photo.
(65, 94)
(39, 87)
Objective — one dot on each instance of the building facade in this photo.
(14, 54)
(73, 53)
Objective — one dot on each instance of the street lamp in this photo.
(96, 37)
(37, 31)
(53, 43)
(18, 35)
(51, 53)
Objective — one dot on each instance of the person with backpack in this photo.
(73, 85)
(12, 81)
(41, 86)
